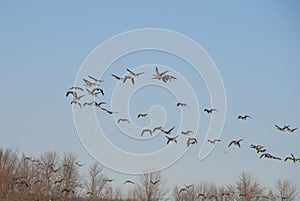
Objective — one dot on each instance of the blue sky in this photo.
(255, 46)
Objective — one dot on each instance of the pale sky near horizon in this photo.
(255, 46)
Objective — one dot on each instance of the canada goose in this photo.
(242, 195)
(68, 190)
(54, 170)
(154, 182)
(235, 142)
(77, 163)
(180, 104)
(76, 88)
(98, 90)
(258, 148)
(135, 74)
(94, 92)
(201, 195)
(118, 78)
(76, 103)
(146, 130)
(167, 78)
(282, 129)
(88, 84)
(291, 130)
(123, 120)
(141, 115)
(107, 180)
(214, 141)
(181, 190)
(213, 196)
(292, 158)
(188, 186)
(191, 141)
(108, 111)
(267, 155)
(97, 81)
(169, 131)
(74, 94)
(243, 117)
(159, 75)
(88, 103)
(127, 77)
(210, 111)
(128, 182)
(99, 104)
(172, 139)
(59, 181)
(156, 128)
(186, 132)
(89, 193)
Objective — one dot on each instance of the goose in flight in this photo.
(134, 74)
(75, 95)
(181, 190)
(95, 92)
(214, 141)
(118, 78)
(172, 139)
(167, 78)
(210, 111)
(68, 190)
(88, 84)
(88, 103)
(77, 163)
(291, 130)
(107, 180)
(236, 143)
(108, 111)
(191, 141)
(169, 131)
(127, 77)
(201, 195)
(76, 103)
(54, 170)
(59, 181)
(99, 104)
(141, 115)
(282, 129)
(188, 186)
(123, 120)
(180, 104)
(128, 182)
(76, 88)
(156, 128)
(154, 182)
(258, 148)
(267, 155)
(292, 158)
(97, 81)
(188, 132)
(159, 75)
(245, 117)
(146, 130)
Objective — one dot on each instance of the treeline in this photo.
(50, 177)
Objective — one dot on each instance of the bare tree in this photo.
(150, 187)
(95, 184)
(285, 190)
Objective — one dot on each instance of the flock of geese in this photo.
(92, 89)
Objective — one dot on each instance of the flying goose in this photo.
(159, 75)
(76, 103)
(210, 111)
(108, 111)
(180, 104)
(94, 92)
(172, 139)
(267, 155)
(97, 81)
(77, 163)
(156, 128)
(292, 158)
(68, 190)
(54, 170)
(74, 94)
(169, 131)
(107, 180)
(188, 186)
(76, 88)
(135, 74)
(146, 130)
(99, 104)
(167, 78)
(201, 195)
(128, 182)
(186, 132)
(282, 129)
(141, 115)
(59, 181)
(243, 117)
(127, 77)
(235, 142)
(88, 84)
(181, 190)
(154, 182)
(123, 120)
(118, 78)
(291, 130)
(191, 141)
(214, 141)
(88, 103)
